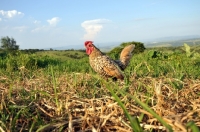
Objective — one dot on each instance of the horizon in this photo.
(49, 24)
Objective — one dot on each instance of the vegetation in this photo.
(58, 91)
(115, 53)
(9, 44)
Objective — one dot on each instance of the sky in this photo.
(49, 23)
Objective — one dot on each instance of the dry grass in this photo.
(85, 104)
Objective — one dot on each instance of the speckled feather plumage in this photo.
(108, 67)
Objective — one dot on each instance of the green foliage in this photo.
(187, 50)
(189, 53)
(63, 55)
(192, 126)
(9, 44)
(169, 64)
(139, 47)
(14, 62)
(156, 54)
(115, 53)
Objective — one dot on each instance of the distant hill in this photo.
(175, 38)
(157, 42)
(76, 47)
(102, 46)
(162, 42)
(174, 43)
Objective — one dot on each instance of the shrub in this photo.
(115, 53)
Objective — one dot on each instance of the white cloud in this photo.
(53, 21)
(92, 27)
(37, 22)
(11, 13)
(0, 19)
(42, 28)
(21, 28)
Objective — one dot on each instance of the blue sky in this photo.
(50, 23)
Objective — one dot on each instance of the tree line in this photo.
(10, 45)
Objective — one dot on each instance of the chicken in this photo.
(106, 66)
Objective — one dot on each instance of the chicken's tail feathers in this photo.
(126, 55)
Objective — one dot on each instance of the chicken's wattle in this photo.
(89, 51)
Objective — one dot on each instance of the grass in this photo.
(160, 93)
(62, 55)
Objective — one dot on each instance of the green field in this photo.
(58, 91)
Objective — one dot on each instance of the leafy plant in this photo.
(9, 44)
(190, 53)
(156, 54)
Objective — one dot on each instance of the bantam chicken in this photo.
(106, 66)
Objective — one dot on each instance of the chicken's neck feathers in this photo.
(96, 52)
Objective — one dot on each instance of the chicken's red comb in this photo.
(87, 42)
